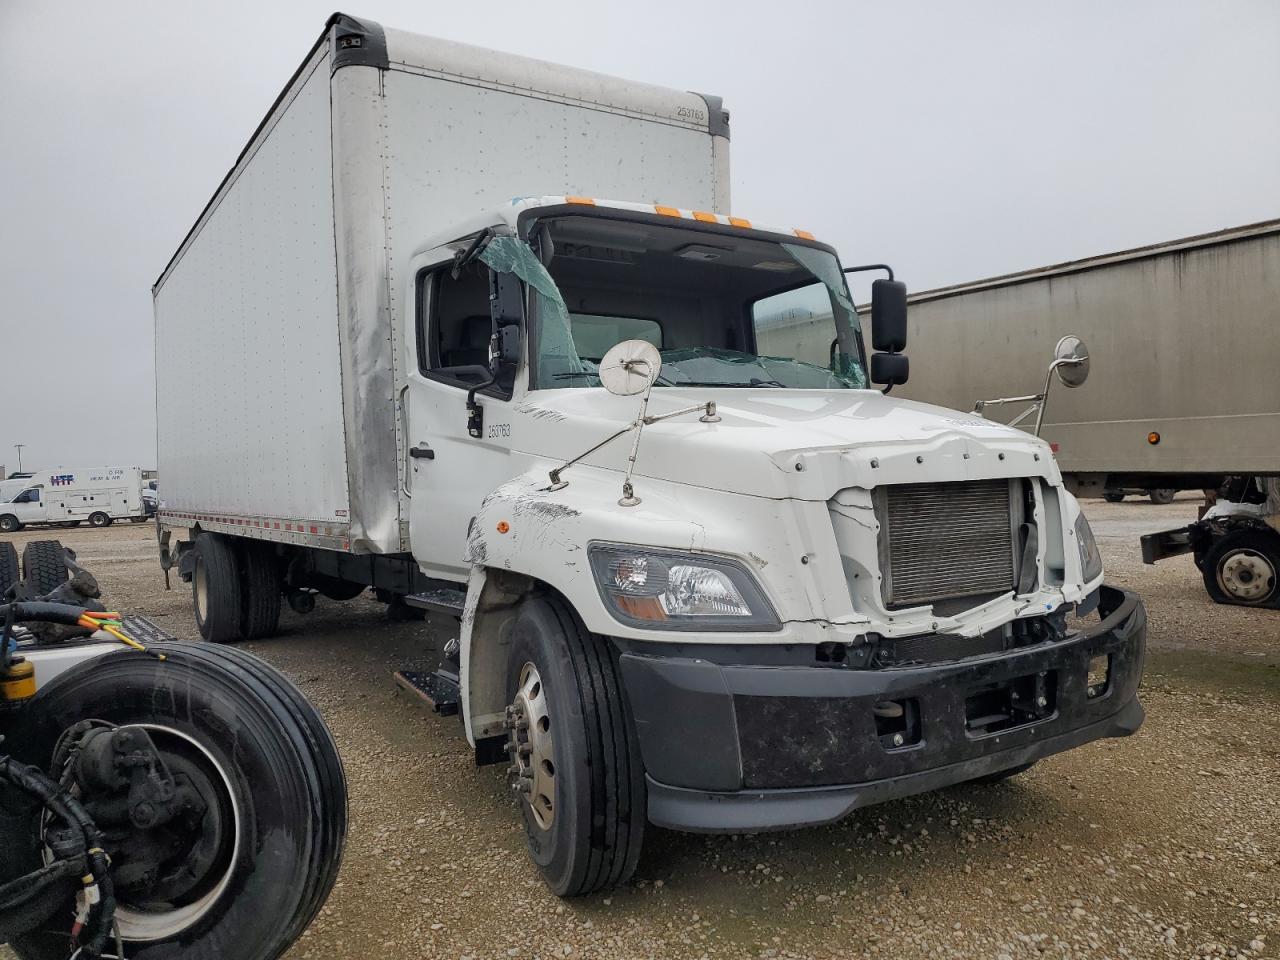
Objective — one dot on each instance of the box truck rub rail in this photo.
(705, 573)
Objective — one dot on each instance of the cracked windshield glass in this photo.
(723, 310)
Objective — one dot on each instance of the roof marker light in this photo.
(586, 201)
(666, 211)
(803, 234)
(704, 216)
(739, 222)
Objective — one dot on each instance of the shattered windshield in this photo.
(724, 310)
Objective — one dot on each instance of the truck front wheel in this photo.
(216, 590)
(575, 765)
(1242, 568)
(99, 519)
(9, 523)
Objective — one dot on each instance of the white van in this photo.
(71, 495)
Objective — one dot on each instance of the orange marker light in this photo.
(803, 234)
(503, 526)
(1153, 438)
(704, 216)
(666, 211)
(739, 222)
(587, 201)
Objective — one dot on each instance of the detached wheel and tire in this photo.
(44, 566)
(235, 589)
(575, 764)
(99, 519)
(10, 572)
(9, 523)
(256, 867)
(1243, 568)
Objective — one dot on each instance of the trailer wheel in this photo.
(99, 519)
(1162, 495)
(575, 763)
(1113, 496)
(9, 523)
(264, 858)
(1244, 568)
(10, 573)
(216, 591)
(44, 566)
(262, 591)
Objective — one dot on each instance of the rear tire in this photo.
(10, 573)
(44, 566)
(216, 589)
(9, 524)
(274, 762)
(1243, 569)
(586, 832)
(99, 519)
(262, 586)
(1162, 495)
(1113, 496)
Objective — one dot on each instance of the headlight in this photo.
(1090, 558)
(666, 590)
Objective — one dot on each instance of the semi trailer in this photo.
(69, 496)
(706, 575)
(1183, 393)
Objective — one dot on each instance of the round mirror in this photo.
(630, 367)
(1071, 357)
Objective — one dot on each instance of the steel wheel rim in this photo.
(200, 586)
(141, 926)
(1246, 575)
(532, 747)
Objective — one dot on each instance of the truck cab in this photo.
(806, 596)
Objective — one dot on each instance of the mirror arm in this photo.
(558, 484)
(871, 266)
(463, 257)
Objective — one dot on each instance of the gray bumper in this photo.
(748, 747)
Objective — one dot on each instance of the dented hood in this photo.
(804, 444)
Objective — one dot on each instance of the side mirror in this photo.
(506, 307)
(890, 369)
(889, 315)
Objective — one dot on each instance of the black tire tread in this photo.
(260, 613)
(10, 572)
(226, 594)
(44, 566)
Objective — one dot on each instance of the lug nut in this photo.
(898, 740)
(1041, 702)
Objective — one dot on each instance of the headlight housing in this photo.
(1090, 558)
(667, 590)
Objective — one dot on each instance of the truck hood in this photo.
(803, 444)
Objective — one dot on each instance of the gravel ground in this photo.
(1161, 845)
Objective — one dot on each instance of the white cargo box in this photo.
(279, 363)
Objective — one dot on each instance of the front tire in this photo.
(9, 523)
(217, 594)
(1243, 568)
(576, 764)
(270, 758)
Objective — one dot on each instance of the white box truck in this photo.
(706, 576)
(69, 496)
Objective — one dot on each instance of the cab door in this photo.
(448, 470)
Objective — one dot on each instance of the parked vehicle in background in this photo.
(69, 496)
(706, 575)
(1183, 394)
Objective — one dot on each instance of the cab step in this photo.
(442, 600)
(438, 690)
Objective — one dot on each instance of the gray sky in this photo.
(954, 140)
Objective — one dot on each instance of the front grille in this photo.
(940, 541)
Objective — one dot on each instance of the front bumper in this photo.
(741, 747)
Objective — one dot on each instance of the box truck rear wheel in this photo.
(1162, 495)
(575, 764)
(10, 573)
(1244, 568)
(216, 590)
(261, 591)
(44, 566)
(1113, 496)
(99, 519)
(9, 523)
(245, 877)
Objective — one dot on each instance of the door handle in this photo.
(422, 452)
